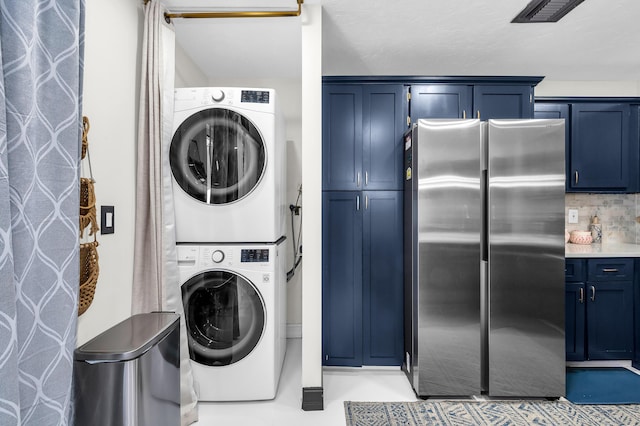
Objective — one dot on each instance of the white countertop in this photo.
(602, 250)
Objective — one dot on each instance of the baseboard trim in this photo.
(294, 331)
(313, 399)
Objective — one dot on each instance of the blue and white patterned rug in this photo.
(509, 413)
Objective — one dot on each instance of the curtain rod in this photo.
(242, 14)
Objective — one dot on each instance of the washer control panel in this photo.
(254, 255)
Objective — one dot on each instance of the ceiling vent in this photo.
(546, 10)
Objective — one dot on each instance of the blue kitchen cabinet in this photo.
(482, 101)
(636, 313)
(609, 293)
(599, 309)
(382, 278)
(600, 146)
(503, 101)
(342, 278)
(441, 101)
(362, 278)
(362, 128)
(558, 110)
(575, 318)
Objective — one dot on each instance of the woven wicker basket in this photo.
(88, 207)
(89, 271)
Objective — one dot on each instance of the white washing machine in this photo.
(234, 299)
(228, 162)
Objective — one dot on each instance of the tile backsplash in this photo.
(617, 214)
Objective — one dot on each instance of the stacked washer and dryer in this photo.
(227, 159)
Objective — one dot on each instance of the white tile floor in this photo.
(340, 384)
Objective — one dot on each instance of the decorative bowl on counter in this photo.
(580, 237)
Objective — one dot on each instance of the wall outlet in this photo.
(573, 216)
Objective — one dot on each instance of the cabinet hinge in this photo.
(408, 121)
(408, 96)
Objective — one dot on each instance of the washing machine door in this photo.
(225, 317)
(217, 156)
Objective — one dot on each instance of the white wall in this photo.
(312, 203)
(111, 67)
(588, 88)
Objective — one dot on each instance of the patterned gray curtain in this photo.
(40, 69)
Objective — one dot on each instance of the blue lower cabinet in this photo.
(341, 278)
(599, 308)
(609, 320)
(575, 321)
(362, 306)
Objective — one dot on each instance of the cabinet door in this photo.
(441, 101)
(558, 110)
(384, 115)
(502, 101)
(609, 320)
(574, 321)
(341, 137)
(342, 278)
(382, 278)
(599, 146)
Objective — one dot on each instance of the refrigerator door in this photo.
(526, 258)
(448, 254)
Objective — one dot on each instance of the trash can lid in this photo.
(129, 339)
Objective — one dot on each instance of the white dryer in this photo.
(227, 158)
(234, 299)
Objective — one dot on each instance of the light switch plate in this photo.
(107, 220)
(573, 216)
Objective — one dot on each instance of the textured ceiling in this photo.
(599, 40)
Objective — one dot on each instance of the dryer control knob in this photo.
(217, 256)
(217, 95)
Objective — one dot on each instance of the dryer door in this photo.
(225, 317)
(217, 156)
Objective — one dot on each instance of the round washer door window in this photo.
(225, 317)
(217, 156)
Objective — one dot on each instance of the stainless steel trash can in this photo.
(130, 374)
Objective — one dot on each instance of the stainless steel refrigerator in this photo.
(484, 258)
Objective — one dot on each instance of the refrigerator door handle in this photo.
(581, 295)
(593, 293)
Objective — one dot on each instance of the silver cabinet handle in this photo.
(358, 179)
(610, 270)
(366, 202)
(576, 175)
(593, 293)
(357, 202)
(366, 178)
(478, 114)
(581, 295)
(464, 114)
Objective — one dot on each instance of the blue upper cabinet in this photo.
(602, 142)
(558, 110)
(502, 101)
(362, 132)
(472, 100)
(441, 101)
(341, 137)
(600, 146)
